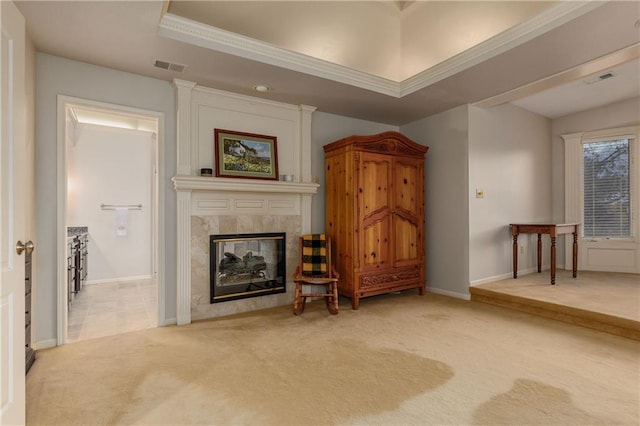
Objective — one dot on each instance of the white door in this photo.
(12, 224)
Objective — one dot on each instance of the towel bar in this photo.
(115, 206)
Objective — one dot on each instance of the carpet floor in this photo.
(401, 359)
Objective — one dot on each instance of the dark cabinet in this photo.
(29, 353)
(77, 263)
(70, 271)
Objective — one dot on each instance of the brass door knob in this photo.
(28, 247)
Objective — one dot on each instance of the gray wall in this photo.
(65, 77)
(327, 128)
(446, 198)
(510, 159)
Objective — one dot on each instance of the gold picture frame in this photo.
(245, 155)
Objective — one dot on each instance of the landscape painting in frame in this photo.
(245, 155)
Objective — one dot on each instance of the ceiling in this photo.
(385, 61)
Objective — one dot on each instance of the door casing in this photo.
(158, 188)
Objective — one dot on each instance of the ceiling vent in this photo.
(169, 66)
(597, 78)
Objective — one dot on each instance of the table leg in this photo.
(515, 256)
(539, 253)
(575, 254)
(553, 260)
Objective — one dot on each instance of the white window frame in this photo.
(574, 182)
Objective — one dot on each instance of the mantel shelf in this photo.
(200, 183)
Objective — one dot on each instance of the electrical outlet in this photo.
(521, 248)
(479, 193)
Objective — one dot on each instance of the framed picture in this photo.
(245, 155)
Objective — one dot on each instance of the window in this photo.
(607, 198)
(602, 193)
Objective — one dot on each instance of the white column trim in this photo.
(183, 126)
(183, 264)
(305, 142)
(572, 193)
(305, 220)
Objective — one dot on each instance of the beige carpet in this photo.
(401, 359)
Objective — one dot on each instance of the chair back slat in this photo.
(314, 255)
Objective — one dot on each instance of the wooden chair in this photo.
(315, 269)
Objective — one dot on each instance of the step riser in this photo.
(597, 321)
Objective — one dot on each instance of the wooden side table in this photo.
(553, 230)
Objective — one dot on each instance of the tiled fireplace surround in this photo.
(211, 205)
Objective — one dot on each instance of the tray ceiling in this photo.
(553, 43)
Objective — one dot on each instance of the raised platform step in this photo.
(604, 302)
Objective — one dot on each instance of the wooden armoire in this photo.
(374, 200)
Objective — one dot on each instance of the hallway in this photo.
(112, 308)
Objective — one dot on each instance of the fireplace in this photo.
(247, 265)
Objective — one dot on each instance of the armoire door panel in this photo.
(407, 188)
(376, 244)
(407, 241)
(373, 193)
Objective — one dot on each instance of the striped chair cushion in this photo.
(314, 255)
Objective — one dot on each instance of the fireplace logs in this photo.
(247, 265)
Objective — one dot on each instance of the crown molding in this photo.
(549, 19)
(195, 33)
(581, 71)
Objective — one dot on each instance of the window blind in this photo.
(607, 203)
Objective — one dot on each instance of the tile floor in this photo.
(112, 308)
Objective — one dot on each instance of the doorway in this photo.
(110, 222)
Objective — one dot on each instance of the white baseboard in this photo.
(508, 275)
(45, 344)
(118, 279)
(169, 321)
(464, 296)
(494, 278)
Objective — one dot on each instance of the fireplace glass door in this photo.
(247, 265)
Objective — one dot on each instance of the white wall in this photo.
(446, 198)
(217, 110)
(56, 76)
(107, 165)
(327, 128)
(510, 160)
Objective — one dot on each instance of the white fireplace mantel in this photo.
(199, 183)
